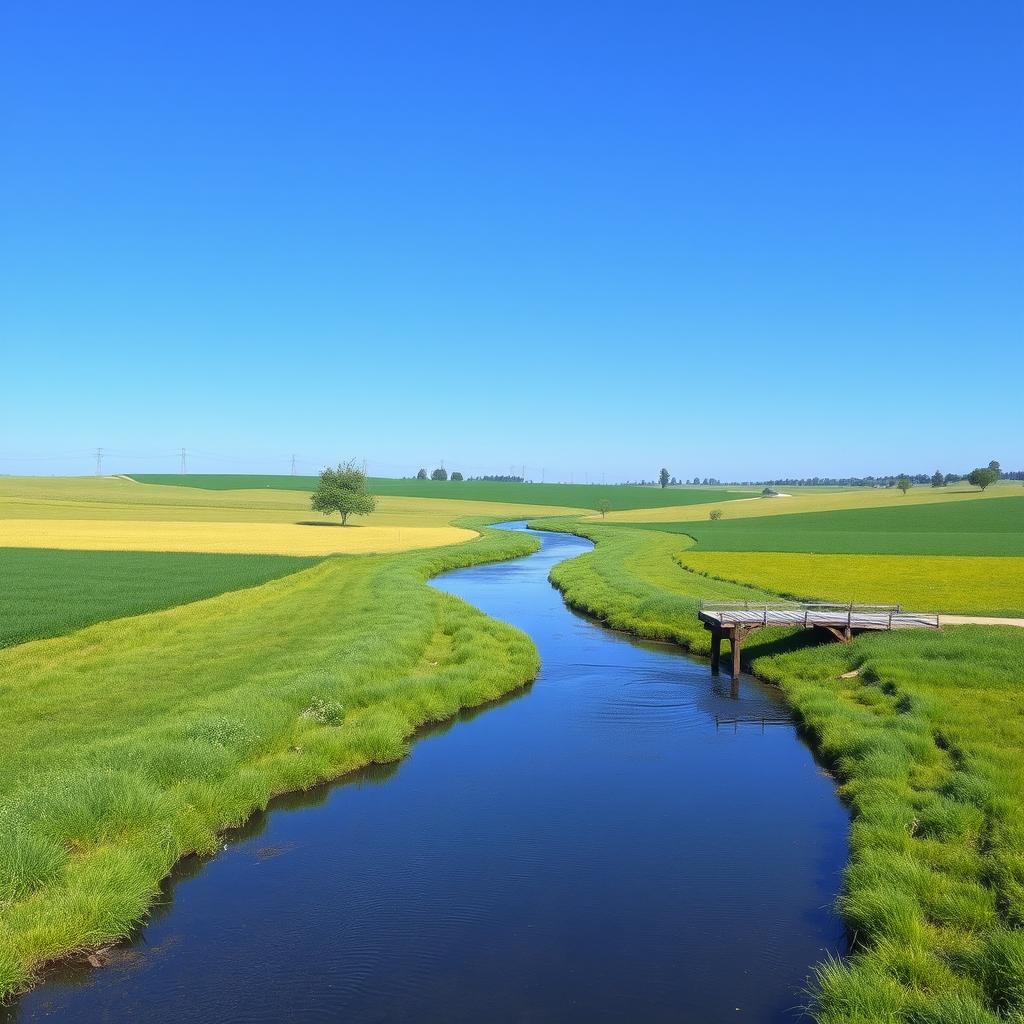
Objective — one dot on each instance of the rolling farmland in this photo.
(579, 496)
(816, 499)
(993, 527)
(207, 681)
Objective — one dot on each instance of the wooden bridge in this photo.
(736, 620)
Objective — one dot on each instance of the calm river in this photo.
(605, 846)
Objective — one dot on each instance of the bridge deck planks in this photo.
(842, 621)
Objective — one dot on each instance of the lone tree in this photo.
(603, 507)
(663, 478)
(439, 474)
(343, 490)
(982, 477)
(904, 484)
(715, 514)
(938, 480)
(996, 468)
(457, 475)
(421, 475)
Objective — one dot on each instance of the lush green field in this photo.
(994, 527)
(48, 593)
(927, 742)
(132, 742)
(957, 584)
(583, 496)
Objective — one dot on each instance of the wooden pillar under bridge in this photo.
(716, 648)
(736, 641)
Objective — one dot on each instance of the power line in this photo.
(184, 462)
(99, 462)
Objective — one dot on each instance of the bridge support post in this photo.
(716, 650)
(736, 641)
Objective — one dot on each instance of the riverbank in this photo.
(134, 742)
(923, 733)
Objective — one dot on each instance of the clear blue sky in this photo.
(737, 239)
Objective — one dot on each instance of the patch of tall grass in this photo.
(133, 742)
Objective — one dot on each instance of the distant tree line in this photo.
(982, 476)
(989, 474)
(666, 480)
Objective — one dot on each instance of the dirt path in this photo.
(978, 620)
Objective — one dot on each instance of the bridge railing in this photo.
(794, 606)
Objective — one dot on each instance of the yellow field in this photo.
(813, 500)
(228, 538)
(934, 583)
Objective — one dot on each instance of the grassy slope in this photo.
(931, 583)
(581, 496)
(132, 742)
(927, 744)
(113, 499)
(952, 528)
(817, 500)
(47, 593)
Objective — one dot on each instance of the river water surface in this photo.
(608, 845)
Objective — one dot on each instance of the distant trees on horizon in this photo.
(666, 479)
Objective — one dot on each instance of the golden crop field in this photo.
(228, 538)
(932, 583)
(815, 500)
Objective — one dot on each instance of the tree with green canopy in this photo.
(983, 476)
(343, 490)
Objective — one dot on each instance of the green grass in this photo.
(47, 593)
(135, 741)
(587, 496)
(994, 527)
(927, 743)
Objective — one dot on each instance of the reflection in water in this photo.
(617, 843)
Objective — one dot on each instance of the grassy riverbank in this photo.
(133, 742)
(926, 742)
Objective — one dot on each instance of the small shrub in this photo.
(324, 711)
(715, 514)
